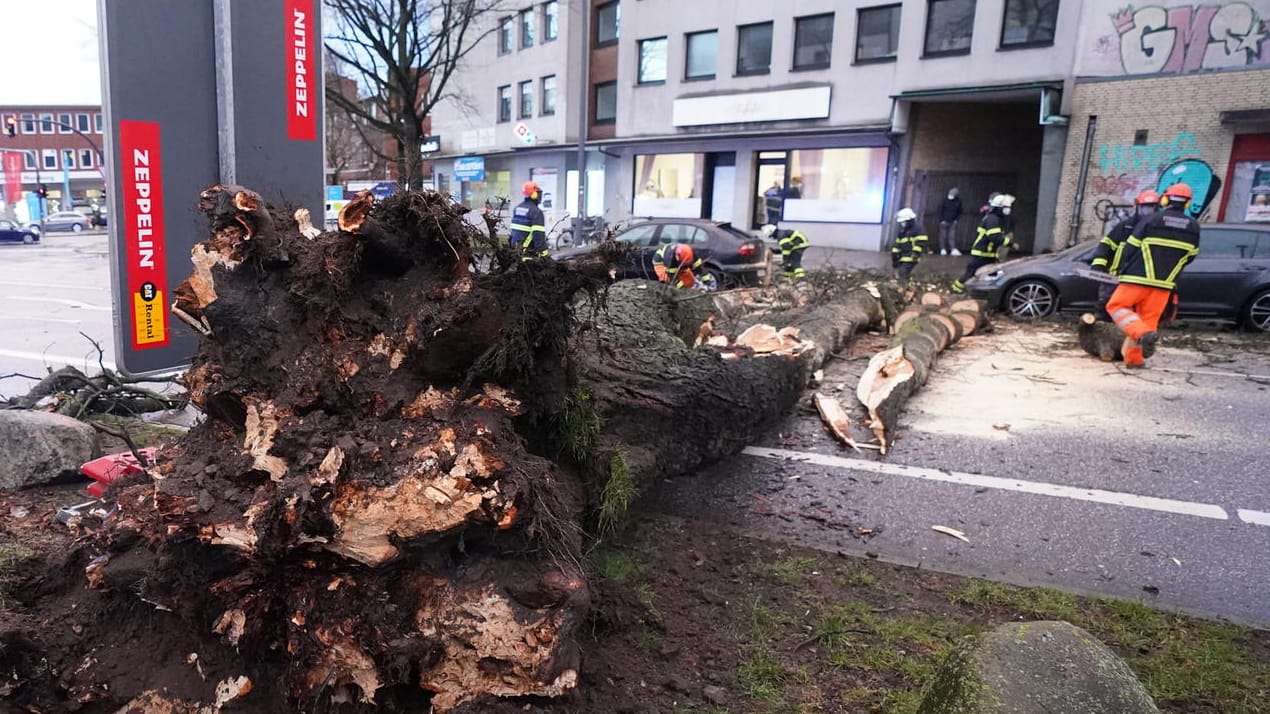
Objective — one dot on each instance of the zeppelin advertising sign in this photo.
(196, 95)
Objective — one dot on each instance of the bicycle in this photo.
(587, 230)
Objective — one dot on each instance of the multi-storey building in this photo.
(59, 145)
(823, 115)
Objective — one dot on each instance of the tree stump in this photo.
(1100, 339)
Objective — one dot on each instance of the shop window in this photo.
(668, 185)
(607, 18)
(550, 21)
(1029, 23)
(28, 123)
(505, 103)
(505, 36)
(1248, 198)
(652, 61)
(606, 103)
(526, 28)
(950, 25)
(496, 186)
(877, 33)
(813, 41)
(836, 185)
(526, 99)
(549, 95)
(754, 48)
(702, 55)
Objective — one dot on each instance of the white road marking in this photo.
(53, 286)
(79, 304)
(1257, 518)
(44, 358)
(37, 318)
(1114, 498)
(1213, 373)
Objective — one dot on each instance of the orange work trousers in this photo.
(1136, 310)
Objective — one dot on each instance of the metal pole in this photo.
(1078, 204)
(584, 95)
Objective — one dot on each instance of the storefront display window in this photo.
(668, 185)
(837, 185)
(1249, 197)
(496, 186)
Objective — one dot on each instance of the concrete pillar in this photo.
(1053, 147)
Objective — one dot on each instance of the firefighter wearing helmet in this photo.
(990, 240)
(528, 226)
(675, 263)
(1106, 258)
(1152, 257)
(792, 244)
(910, 243)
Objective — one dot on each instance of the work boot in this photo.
(1149, 342)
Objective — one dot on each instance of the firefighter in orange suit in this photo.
(528, 227)
(1151, 260)
(676, 264)
(1106, 258)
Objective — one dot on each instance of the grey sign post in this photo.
(196, 94)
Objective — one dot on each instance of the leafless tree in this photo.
(402, 54)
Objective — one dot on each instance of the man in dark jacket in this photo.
(989, 241)
(949, 212)
(1151, 260)
(1106, 258)
(910, 243)
(528, 226)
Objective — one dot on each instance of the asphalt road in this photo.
(49, 293)
(1060, 470)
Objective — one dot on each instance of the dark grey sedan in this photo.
(730, 255)
(1229, 280)
(11, 232)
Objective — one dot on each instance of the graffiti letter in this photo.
(1234, 31)
(1191, 28)
(1145, 47)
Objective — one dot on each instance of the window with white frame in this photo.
(64, 124)
(82, 123)
(97, 124)
(28, 124)
(652, 60)
(46, 123)
(49, 157)
(68, 159)
(86, 158)
(28, 160)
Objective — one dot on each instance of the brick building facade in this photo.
(57, 143)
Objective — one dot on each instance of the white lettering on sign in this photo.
(300, 53)
(145, 231)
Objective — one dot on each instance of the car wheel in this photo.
(1031, 299)
(77, 227)
(1257, 313)
(27, 239)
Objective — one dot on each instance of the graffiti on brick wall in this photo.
(1124, 170)
(1175, 37)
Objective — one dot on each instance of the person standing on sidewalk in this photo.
(910, 243)
(949, 213)
(1151, 260)
(989, 241)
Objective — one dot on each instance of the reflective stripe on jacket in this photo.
(528, 229)
(1160, 247)
(910, 244)
(664, 264)
(1107, 255)
(792, 241)
(990, 237)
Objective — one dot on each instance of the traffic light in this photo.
(11, 126)
(44, 191)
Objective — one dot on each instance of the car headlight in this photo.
(989, 277)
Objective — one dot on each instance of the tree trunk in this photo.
(1100, 339)
(894, 374)
(371, 511)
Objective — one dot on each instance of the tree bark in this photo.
(1100, 339)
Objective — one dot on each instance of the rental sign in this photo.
(198, 94)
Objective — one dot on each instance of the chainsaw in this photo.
(1097, 276)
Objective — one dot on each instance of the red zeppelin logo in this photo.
(301, 87)
(141, 181)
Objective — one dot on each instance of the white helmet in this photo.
(905, 214)
(768, 230)
(1002, 200)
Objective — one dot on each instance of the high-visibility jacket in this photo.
(910, 244)
(791, 241)
(1159, 248)
(1107, 255)
(668, 270)
(529, 229)
(990, 238)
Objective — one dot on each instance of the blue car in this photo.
(11, 232)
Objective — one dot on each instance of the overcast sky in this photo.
(50, 52)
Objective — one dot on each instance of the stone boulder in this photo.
(37, 447)
(1035, 668)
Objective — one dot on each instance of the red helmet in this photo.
(682, 254)
(1148, 197)
(531, 190)
(1179, 191)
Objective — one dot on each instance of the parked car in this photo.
(67, 221)
(732, 256)
(11, 232)
(1229, 279)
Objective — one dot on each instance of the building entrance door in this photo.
(769, 187)
(720, 186)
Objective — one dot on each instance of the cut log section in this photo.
(1101, 339)
(835, 417)
(894, 374)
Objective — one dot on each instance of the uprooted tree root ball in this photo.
(409, 432)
